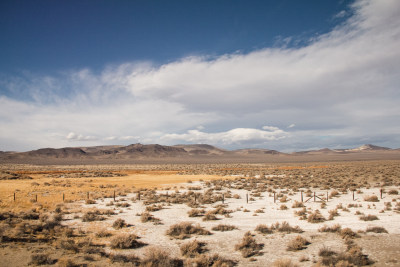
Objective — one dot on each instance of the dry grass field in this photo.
(303, 214)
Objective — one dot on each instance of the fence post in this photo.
(63, 197)
(274, 197)
(381, 190)
(302, 196)
(14, 196)
(314, 196)
(327, 197)
(87, 195)
(223, 198)
(247, 198)
(36, 198)
(139, 196)
(353, 195)
(114, 195)
(195, 198)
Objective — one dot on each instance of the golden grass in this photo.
(77, 188)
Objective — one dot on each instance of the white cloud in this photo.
(234, 136)
(292, 125)
(79, 137)
(339, 89)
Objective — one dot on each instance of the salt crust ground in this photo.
(383, 248)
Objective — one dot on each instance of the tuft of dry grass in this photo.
(103, 233)
(369, 217)
(393, 192)
(119, 223)
(297, 243)
(196, 212)
(298, 204)
(248, 246)
(126, 241)
(147, 217)
(372, 198)
(376, 229)
(262, 228)
(192, 249)
(210, 217)
(286, 227)
(185, 230)
(91, 216)
(316, 217)
(156, 257)
(348, 233)
(336, 228)
(224, 227)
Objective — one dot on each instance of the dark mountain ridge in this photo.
(190, 153)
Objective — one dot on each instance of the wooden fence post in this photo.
(314, 196)
(139, 196)
(381, 190)
(274, 197)
(223, 198)
(87, 195)
(302, 196)
(353, 194)
(114, 195)
(247, 198)
(14, 196)
(63, 197)
(36, 198)
(327, 197)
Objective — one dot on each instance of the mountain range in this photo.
(188, 154)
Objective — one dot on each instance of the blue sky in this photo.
(286, 75)
(43, 36)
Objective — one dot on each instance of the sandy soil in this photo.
(381, 248)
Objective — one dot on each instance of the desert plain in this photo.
(333, 213)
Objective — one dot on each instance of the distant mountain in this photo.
(202, 149)
(363, 148)
(255, 151)
(369, 147)
(56, 152)
(188, 153)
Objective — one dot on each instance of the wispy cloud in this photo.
(342, 85)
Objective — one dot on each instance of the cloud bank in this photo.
(341, 89)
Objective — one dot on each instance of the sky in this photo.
(286, 75)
